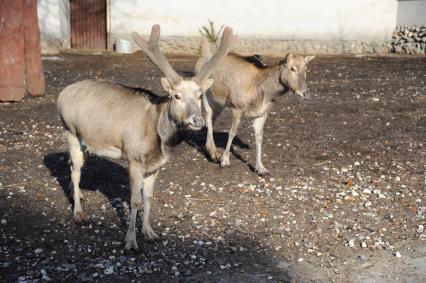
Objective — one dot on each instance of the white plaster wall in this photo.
(54, 20)
(411, 12)
(361, 20)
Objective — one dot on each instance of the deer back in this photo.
(103, 115)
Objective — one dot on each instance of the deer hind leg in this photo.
(213, 110)
(148, 189)
(77, 162)
(258, 124)
(236, 115)
(136, 177)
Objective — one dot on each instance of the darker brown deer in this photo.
(111, 120)
(249, 87)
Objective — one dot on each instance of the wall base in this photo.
(191, 46)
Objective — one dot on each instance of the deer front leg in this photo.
(136, 177)
(258, 124)
(148, 189)
(236, 115)
(210, 145)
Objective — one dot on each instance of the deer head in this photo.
(185, 93)
(293, 73)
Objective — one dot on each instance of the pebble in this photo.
(362, 257)
(3, 221)
(283, 265)
(44, 275)
(398, 254)
(109, 270)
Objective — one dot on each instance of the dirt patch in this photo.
(345, 195)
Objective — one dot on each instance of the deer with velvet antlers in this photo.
(248, 87)
(115, 121)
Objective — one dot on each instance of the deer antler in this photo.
(225, 45)
(154, 53)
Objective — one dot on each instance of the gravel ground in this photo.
(344, 201)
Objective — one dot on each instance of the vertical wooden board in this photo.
(12, 64)
(88, 24)
(34, 69)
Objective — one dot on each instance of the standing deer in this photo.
(111, 120)
(248, 87)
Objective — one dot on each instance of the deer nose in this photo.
(307, 95)
(198, 121)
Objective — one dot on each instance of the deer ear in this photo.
(307, 59)
(166, 85)
(289, 58)
(207, 84)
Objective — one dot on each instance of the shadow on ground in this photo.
(92, 250)
(198, 140)
(98, 175)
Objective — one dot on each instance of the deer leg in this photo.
(136, 177)
(148, 189)
(236, 115)
(210, 144)
(77, 161)
(258, 124)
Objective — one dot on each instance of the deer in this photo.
(248, 87)
(115, 121)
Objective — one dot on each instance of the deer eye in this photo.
(177, 96)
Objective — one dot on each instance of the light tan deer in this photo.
(115, 121)
(248, 87)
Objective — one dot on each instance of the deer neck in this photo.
(167, 129)
(272, 86)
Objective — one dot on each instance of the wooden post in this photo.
(20, 58)
(34, 68)
(12, 62)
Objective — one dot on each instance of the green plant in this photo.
(210, 33)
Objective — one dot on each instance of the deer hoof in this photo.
(131, 245)
(149, 233)
(80, 216)
(224, 162)
(261, 171)
(214, 155)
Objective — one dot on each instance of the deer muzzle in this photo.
(195, 122)
(303, 94)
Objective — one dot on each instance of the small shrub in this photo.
(210, 33)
